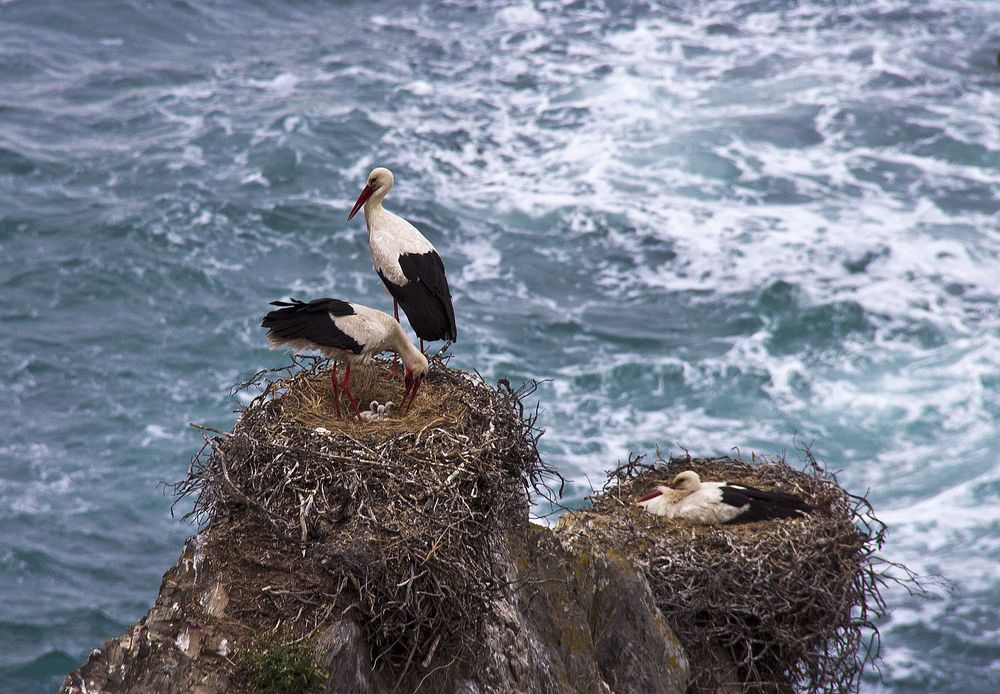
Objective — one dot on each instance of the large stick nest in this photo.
(777, 605)
(400, 520)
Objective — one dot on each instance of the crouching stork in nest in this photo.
(346, 332)
(716, 503)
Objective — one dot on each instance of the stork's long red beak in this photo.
(362, 199)
(411, 393)
(651, 495)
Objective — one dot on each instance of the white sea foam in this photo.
(646, 97)
(156, 432)
(283, 84)
(46, 490)
(420, 87)
(255, 177)
(481, 260)
(521, 16)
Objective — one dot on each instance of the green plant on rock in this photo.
(272, 664)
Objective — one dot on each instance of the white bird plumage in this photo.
(407, 263)
(715, 503)
(347, 332)
(372, 413)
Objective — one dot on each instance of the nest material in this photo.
(777, 605)
(399, 520)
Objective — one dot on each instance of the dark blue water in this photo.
(718, 224)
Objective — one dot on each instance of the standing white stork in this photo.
(408, 264)
(345, 332)
(715, 503)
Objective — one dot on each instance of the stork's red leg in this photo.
(336, 394)
(347, 389)
(395, 355)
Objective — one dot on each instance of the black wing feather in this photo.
(298, 320)
(762, 505)
(426, 297)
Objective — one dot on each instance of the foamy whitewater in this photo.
(716, 225)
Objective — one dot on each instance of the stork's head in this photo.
(687, 481)
(379, 182)
(414, 370)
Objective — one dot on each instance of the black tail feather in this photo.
(311, 322)
(761, 505)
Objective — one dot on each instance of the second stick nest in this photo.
(774, 606)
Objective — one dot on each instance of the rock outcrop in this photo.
(399, 550)
(574, 619)
(578, 620)
(397, 555)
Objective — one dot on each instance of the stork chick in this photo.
(372, 413)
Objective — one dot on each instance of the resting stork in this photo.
(408, 264)
(715, 503)
(345, 332)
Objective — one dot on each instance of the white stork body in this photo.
(715, 503)
(389, 238)
(347, 332)
(407, 263)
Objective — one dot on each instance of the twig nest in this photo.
(401, 517)
(768, 606)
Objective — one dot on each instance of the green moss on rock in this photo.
(271, 664)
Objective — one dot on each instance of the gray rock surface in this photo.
(577, 620)
(179, 646)
(573, 619)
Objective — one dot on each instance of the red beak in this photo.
(362, 199)
(651, 495)
(411, 393)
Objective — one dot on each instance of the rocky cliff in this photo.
(398, 552)
(398, 555)
(572, 619)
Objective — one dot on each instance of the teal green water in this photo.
(711, 224)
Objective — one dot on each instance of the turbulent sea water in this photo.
(713, 223)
